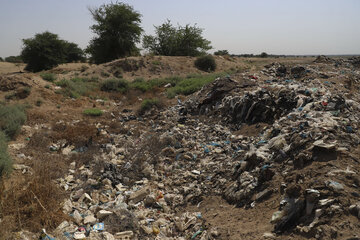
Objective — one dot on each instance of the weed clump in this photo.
(147, 104)
(115, 85)
(77, 87)
(93, 112)
(5, 160)
(11, 119)
(50, 77)
(206, 63)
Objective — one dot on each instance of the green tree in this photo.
(13, 59)
(73, 53)
(180, 41)
(264, 55)
(118, 30)
(1, 60)
(46, 51)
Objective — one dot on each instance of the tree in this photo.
(264, 55)
(1, 60)
(13, 59)
(118, 30)
(46, 51)
(180, 41)
(73, 52)
(221, 52)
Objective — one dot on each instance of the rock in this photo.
(124, 235)
(262, 195)
(149, 200)
(77, 195)
(103, 213)
(107, 236)
(335, 186)
(90, 220)
(77, 217)
(139, 195)
(79, 235)
(268, 235)
(68, 206)
(85, 198)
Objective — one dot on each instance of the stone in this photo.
(103, 213)
(139, 195)
(269, 235)
(77, 217)
(149, 200)
(107, 236)
(90, 220)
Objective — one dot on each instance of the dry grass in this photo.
(34, 202)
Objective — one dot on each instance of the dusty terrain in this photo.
(217, 164)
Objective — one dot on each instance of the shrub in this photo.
(115, 85)
(5, 160)
(147, 104)
(11, 119)
(76, 87)
(50, 77)
(206, 63)
(93, 112)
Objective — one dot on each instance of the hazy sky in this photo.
(251, 26)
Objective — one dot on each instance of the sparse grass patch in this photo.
(93, 112)
(115, 85)
(191, 84)
(11, 119)
(50, 77)
(5, 160)
(47, 86)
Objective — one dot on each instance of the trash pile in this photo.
(142, 180)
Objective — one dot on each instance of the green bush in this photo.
(115, 85)
(50, 77)
(93, 112)
(147, 104)
(11, 119)
(206, 63)
(77, 87)
(5, 160)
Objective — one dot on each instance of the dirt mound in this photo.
(323, 59)
(12, 82)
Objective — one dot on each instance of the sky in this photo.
(300, 27)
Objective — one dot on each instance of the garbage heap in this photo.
(143, 179)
